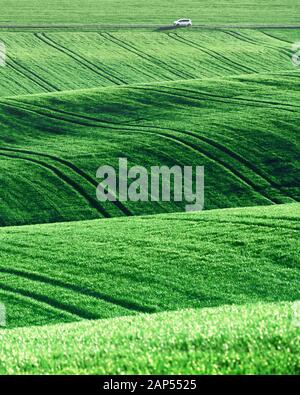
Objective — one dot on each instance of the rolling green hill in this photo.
(47, 62)
(244, 130)
(251, 339)
(126, 287)
(56, 273)
(153, 11)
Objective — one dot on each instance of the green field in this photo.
(110, 269)
(57, 61)
(145, 287)
(153, 11)
(66, 137)
(238, 89)
(250, 339)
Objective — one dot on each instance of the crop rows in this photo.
(47, 62)
(91, 120)
(101, 281)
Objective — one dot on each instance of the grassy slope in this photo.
(89, 270)
(58, 61)
(86, 129)
(102, 269)
(252, 339)
(154, 11)
(47, 62)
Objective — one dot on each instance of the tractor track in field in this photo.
(33, 77)
(144, 55)
(238, 222)
(29, 74)
(67, 180)
(53, 303)
(227, 99)
(128, 48)
(222, 58)
(215, 158)
(202, 139)
(223, 99)
(211, 54)
(29, 107)
(72, 167)
(137, 276)
(241, 37)
(199, 137)
(215, 55)
(131, 306)
(262, 42)
(106, 74)
(9, 291)
(18, 83)
(277, 38)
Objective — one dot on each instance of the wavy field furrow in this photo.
(99, 287)
(204, 152)
(156, 61)
(77, 313)
(103, 73)
(72, 167)
(256, 39)
(220, 99)
(82, 292)
(99, 133)
(78, 188)
(116, 277)
(32, 78)
(219, 57)
(173, 90)
(56, 61)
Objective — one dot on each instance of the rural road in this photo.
(139, 26)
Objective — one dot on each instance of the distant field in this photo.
(100, 269)
(251, 339)
(153, 11)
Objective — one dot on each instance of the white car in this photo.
(183, 22)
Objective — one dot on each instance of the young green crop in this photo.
(244, 130)
(220, 284)
(251, 339)
(49, 62)
(100, 269)
(153, 11)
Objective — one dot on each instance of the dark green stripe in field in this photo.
(56, 61)
(100, 269)
(244, 130)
